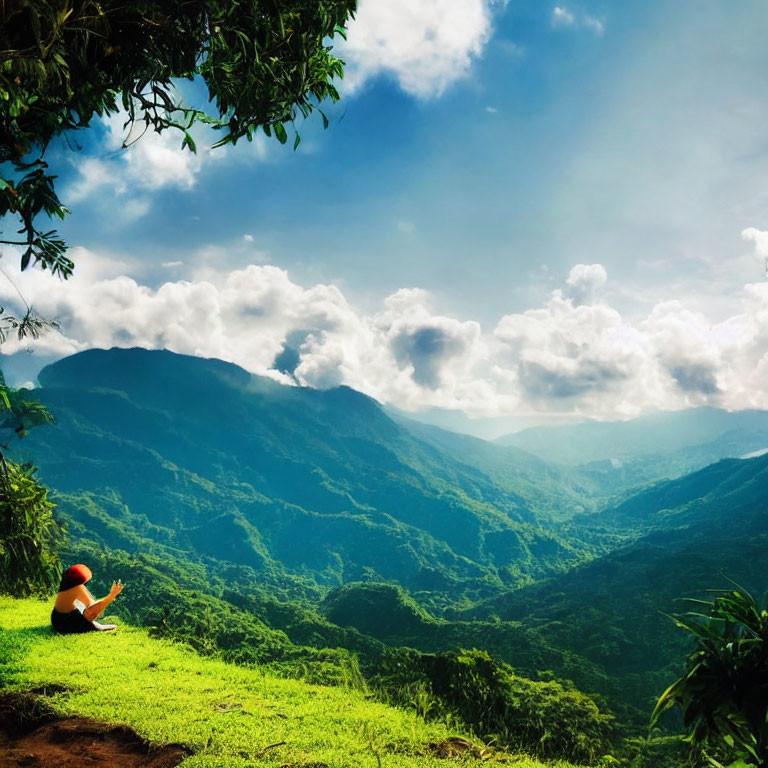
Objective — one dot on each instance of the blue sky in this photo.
(480, 153)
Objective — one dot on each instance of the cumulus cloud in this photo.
(425, 46)
(133, 163)
(573, 348)
(687, 348)
(583, 282)
(431, 348)
(152, 161)
(760, 239)
(573, 354)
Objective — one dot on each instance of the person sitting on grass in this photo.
(76, 609)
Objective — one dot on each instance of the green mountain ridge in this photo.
(684, 536)
(560, 492)
(319, 486)
(687, 500)
(685, 440)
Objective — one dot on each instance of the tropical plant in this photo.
(29, 533)
(723, 693)
(30, 536)
(64, 62)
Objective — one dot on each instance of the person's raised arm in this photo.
(92, 611)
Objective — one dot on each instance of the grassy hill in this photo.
(226, 714)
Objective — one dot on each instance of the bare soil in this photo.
(33, 736)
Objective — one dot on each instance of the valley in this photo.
(316, 534)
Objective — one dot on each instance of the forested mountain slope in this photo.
(706, 528)
(559, 491)
(719, 493)
(220, 494)
(299, 484)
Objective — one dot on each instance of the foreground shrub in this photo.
(29, 533)
(723, 693)
(546, 719)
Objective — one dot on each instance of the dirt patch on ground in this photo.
(456, 748)
(33, 736)
(304, 765)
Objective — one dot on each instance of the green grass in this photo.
(226, 713)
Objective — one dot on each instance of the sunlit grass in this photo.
(227, 714)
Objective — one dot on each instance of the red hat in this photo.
(74, 576)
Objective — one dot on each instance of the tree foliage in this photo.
(546, 719)
(29, 534)
(30, 324)
(63, 62)
(723, 693)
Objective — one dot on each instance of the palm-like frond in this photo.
(723, 693)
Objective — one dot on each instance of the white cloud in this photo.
(248, 238)
(564, 17)
(93, 175)
(574, 354)
(133, 164)
(595, 24)
(425, 46)
(151, 161)
(133, 209)
(511, 48)
(157, 160)
(584, 280)
(760, 239)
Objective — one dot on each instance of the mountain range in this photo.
(335, 523)
(315, 485)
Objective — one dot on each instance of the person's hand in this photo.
(117, 588)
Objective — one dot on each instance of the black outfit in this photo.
(71, 623)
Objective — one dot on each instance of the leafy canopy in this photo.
(62, 62)
(723, 693)
(29, 533)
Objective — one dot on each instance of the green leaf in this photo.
(189, 142)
